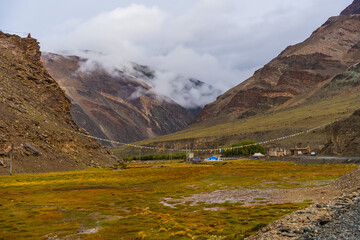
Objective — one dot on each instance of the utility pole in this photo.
(139, 154)
(173, 147)
(11, 157)
(170, 156)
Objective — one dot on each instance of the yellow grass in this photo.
(127, 204)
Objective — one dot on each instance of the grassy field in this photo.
(280, 122)
(129, 203)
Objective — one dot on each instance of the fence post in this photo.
(11, 157)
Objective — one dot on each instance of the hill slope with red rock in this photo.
(115, 105)
(299, 70)
(35, 116)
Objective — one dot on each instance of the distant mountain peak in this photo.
(353, 8)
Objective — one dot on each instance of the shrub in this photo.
(156, 157)
(249, 150)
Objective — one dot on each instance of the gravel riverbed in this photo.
(336, 219)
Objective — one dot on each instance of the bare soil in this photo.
(249, 197)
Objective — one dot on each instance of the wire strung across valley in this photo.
(219, 150)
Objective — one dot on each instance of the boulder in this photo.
(31, 149)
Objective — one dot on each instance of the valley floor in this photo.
(162, 200)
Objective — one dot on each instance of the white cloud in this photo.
(220, 42)
(119, 32)
(194, 65)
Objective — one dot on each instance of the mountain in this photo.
(309, 84)
(354, 8)
(191, 93)
(35, 116)
(115, 104)
(343, 137)
(299, 70)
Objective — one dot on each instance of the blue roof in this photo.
(213, 158)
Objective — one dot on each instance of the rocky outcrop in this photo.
(35, 122)
(354, 8)
(115, 105)
(343, 137)
(298, 70)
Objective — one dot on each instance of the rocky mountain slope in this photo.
(343, 137)
(35, 116)
(115, 105)
(300, 70)
(353, 8)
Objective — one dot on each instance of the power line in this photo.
(207, 150)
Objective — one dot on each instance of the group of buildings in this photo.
(272, 152)
(295, 151)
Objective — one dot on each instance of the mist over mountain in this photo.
(188, 92)
(113, 104)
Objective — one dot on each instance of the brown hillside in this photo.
(299, 70)
(35, 116)
(354, 8)
(116, 106)
(343, 138)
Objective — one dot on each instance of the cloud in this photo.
(191, 64)
(218, 42)
(118, 32)
(189, 93)
(148, 35)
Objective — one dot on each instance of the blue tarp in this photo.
(212, 158)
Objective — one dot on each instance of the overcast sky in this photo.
(220, 42)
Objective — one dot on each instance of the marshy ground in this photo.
(160, 200)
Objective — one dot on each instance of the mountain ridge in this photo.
(309, 84)
(35, 116)
(353, 8)
(116, 106)
(331, 49)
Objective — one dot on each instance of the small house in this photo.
(277, 152)
(300, 151)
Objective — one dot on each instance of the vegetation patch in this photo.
(128, 204)
(156, 157)
(244, 148)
